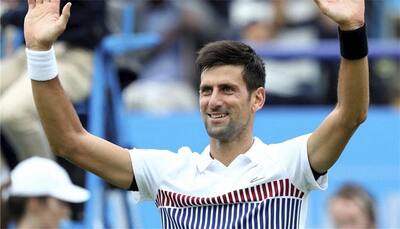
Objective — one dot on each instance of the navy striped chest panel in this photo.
(276, 204)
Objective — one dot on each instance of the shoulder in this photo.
(288, 149)
(292, 143)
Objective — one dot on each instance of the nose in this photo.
(215, 100)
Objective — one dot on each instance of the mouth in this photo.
(216, 116)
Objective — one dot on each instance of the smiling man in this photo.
(237, 181)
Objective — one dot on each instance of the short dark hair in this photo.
(16, 206)
(234, 53)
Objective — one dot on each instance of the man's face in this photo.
(50, 211)
(225, 103)
(59, 209)
(348, 214)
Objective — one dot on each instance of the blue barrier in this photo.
(99, 210)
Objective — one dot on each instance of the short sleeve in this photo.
(149, 165)
(298, 166)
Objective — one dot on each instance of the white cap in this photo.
(38, 176)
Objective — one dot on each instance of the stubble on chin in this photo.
(223, 133)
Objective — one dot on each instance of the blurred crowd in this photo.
(168, 69)
(184, 26)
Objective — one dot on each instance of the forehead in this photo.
(224, 74)
(346, 207)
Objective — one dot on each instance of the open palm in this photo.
(43, 23)
(348, 14)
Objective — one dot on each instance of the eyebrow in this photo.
(234, 86)
(206, 86)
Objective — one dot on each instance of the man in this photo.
(238, 180)
(39, 192)
(352, 207)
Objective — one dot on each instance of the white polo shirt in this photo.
(266, 187)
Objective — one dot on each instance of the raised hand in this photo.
(348, 14)
(43, 23)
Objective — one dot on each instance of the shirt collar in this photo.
(252, 155)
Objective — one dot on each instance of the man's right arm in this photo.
(71, 141)
(65, 133)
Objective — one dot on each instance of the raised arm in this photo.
(328, 141)
(67, 137)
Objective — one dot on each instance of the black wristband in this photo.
(353, 44)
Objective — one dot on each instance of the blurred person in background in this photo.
(290, 81)
(39, 194)
(19, 121)
(4, 185)
(168, 68)
(10, 35)
(384, 86)
(352, 207)
(389, 69)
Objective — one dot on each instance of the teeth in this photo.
(217, 115)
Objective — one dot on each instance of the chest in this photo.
(215, 181)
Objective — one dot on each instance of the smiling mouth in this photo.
(218, 116)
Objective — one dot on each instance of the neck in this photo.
(227, 151)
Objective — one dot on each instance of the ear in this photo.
(258, 99)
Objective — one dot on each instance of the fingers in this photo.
(66, 12)
(41, 1)
(31, 4)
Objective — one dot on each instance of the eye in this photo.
(228, 90)
(204, 91)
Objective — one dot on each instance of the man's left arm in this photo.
(328, 141)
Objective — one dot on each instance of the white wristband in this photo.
(42, 65)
